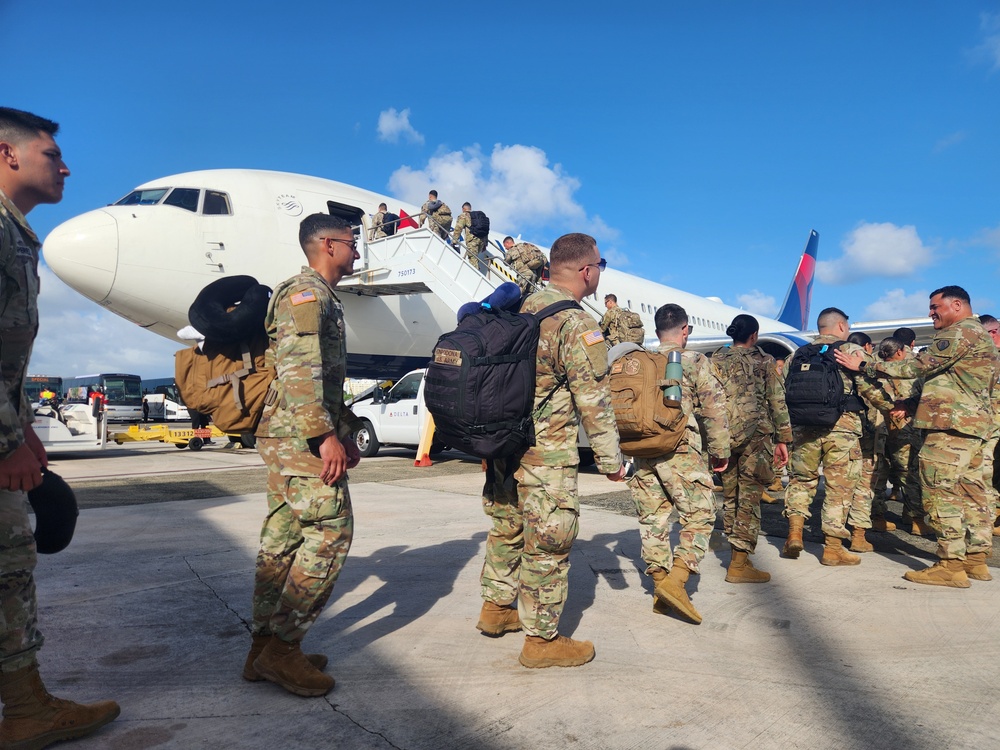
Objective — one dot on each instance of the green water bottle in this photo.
(674, 372)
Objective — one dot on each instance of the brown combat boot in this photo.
(670, 591)
(793, 544)
(497, 619)
(257, 645)
(741, 570)
(559, 652)
(765, 498)
(284, 664)
(776, 485)
(942, 573)
(34, 719)
(879, 523)
(918, 527)
(859, 543)
(976, 568)
(835, 554)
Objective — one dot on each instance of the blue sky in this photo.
(700, 142)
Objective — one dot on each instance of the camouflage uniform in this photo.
(376, 232)
(611, 326)
(837, 448)
(682, 478)
(475, 247)
(307, 533)
(760, 396)
(902, 445)
(505, 541)
(438, 222)
(20, 637)
(569, 347)
(955, 410)
(872, 443)
(518, 258)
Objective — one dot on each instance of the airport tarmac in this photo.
(150, 606)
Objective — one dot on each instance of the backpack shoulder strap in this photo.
(557, 307)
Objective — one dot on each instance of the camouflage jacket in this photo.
(441, 217)
(703, 400)
(464, 221)
(759, 392)
(305, 323)
(959, 369)
(571, 347)
(376, 231)
(19, 248)
(611, 326)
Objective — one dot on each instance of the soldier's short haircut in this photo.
(905, 335)
(952, 292)
(17, 126)
(467, 204)
(743, 327)
(611, 297)
(890, 347)
(382, 205)
(830, 317)
(433, 192)
(572, 250)
(315, 225)
(859, 338)
(508, 237)
(984, 319)
(670, 317)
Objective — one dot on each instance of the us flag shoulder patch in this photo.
(592, 337)
(301, 297)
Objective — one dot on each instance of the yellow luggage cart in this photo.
(161, 433)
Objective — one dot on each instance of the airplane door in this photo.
(401, 415)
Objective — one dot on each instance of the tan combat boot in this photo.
(976, 568)
(765, 498)
(879, 523)
(34, 719)
(741, 570)
(284, 664)
(776, 485)
(257, 645)
(497, 619)
(835, 554)
(858, 542)
(793, 544)
(942, 573)
(559, 652)
(918, 527)
(670, 591)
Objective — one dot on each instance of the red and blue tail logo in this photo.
(795, 310)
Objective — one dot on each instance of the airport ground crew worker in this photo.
(31, 172)
(755, 403)
(475, 247)
(527, 261)
(959, 369)
(305, 439)
(571, 351)
(682, 478)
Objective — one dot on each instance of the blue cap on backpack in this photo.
(507, 296)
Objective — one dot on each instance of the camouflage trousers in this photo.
(749, 473)
(441, 229)
(680, 480)
(548, 495)
(840, 455)
(902, 469)
(20, 638)
(475, 252)
(866, 501)
(303, 542)
(960, 511)
(505, 542)
(989, 449)
(526, 278)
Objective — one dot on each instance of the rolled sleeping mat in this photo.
(230, 309)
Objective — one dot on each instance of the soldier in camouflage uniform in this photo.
(992, 326)
(611, 325)
(305, 440)
(475, 247)
(955, 411)
(31, 172)
(755, 404)
(836, 448)
(377, 232)
(681, 479)
(438, 220)
(527, 261)
(572, 365)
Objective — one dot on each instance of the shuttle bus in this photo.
(122, 394)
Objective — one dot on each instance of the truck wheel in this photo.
(181, 446)
(367, 443)
(196, 443)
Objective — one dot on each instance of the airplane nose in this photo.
(83, 252)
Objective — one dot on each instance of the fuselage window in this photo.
(146, 197)
(216, 203)
(186, 198)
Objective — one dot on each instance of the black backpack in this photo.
(814, 388)
(480, 224)
(480, 384)
(390, 223)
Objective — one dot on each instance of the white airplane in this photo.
(148, 255)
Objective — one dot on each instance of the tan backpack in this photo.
(649, 424)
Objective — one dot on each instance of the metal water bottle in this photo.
(674, 372)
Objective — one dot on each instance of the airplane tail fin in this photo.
(795, 309)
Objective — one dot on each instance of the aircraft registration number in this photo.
(406, 272)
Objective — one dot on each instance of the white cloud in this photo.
(515, 185)
(393, 125)
(896, 303)
(758, 303)
(78, 337)
(989, 49)
(615, 257)
(876, 250)
(953, 139)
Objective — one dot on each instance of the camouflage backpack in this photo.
(744, 396)
(630, 327)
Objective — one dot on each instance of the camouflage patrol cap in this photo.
(55, 510)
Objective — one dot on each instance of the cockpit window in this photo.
(186, 198)
(146, 197)
(216, 203)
